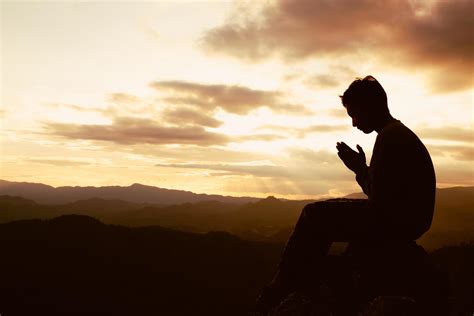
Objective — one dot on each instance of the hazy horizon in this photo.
(249, 196)
(223, 97)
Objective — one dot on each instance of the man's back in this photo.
(401, 182)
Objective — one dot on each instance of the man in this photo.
(400, 185)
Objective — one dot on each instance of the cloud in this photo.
(74, 107)
(180, 153)
(121, 97)
(303, 131)
(136, 131)
(325, 128)
(131, 130)
(323, 81)
(59, 162)
(461, 153)
(301, 165)
(260, 137)
(180, 116)
(333, 77)
(255, 170)
(231, 98)
(339, 113)
(450, 133)
(436, 35)
(460, 173)
(308, 156)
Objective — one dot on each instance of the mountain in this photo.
(136, 193)
(267, 219)
(453, 218)
(15, 208)
(196, 217)
(76, 265)
(358, 195)
(263, 217)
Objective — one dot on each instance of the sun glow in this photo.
(73, 70)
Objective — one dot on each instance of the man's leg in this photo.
(319, 225)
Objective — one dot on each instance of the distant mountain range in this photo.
(267, 219)
(136, 193)
(255, 220)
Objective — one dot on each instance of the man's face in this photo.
(360, 118)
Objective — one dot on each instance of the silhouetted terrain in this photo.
(267, 219)
(458, 262)
(260, 219)
(76, 265)
(137, 193)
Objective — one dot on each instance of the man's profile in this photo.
(400, 185)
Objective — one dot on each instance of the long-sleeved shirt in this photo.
(400, 182)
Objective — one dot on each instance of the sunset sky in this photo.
(233, 98)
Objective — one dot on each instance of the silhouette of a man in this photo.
(400, 185)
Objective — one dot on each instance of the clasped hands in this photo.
(353, 160)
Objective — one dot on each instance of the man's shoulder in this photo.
(397, 130)
(399, 137)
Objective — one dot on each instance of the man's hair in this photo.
(366, 92)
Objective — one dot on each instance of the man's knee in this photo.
(314, 210)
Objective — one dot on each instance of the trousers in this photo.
(376, 247)
(319, 225)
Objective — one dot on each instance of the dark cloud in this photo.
(136, 131)
(450, 133)
(303, 28)
(231, 98)
(181, 116)
(442, 39)
(435, 35)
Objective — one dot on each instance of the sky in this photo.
(227, 97)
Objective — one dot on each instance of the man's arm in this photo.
(363, 179)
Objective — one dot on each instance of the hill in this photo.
(76, 265)
(136, 193)
(267, 219)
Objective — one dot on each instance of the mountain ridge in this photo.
(137, 193)
(268, 219)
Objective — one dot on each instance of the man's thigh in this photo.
(340, 219)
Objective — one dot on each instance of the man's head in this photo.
(366, 103)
